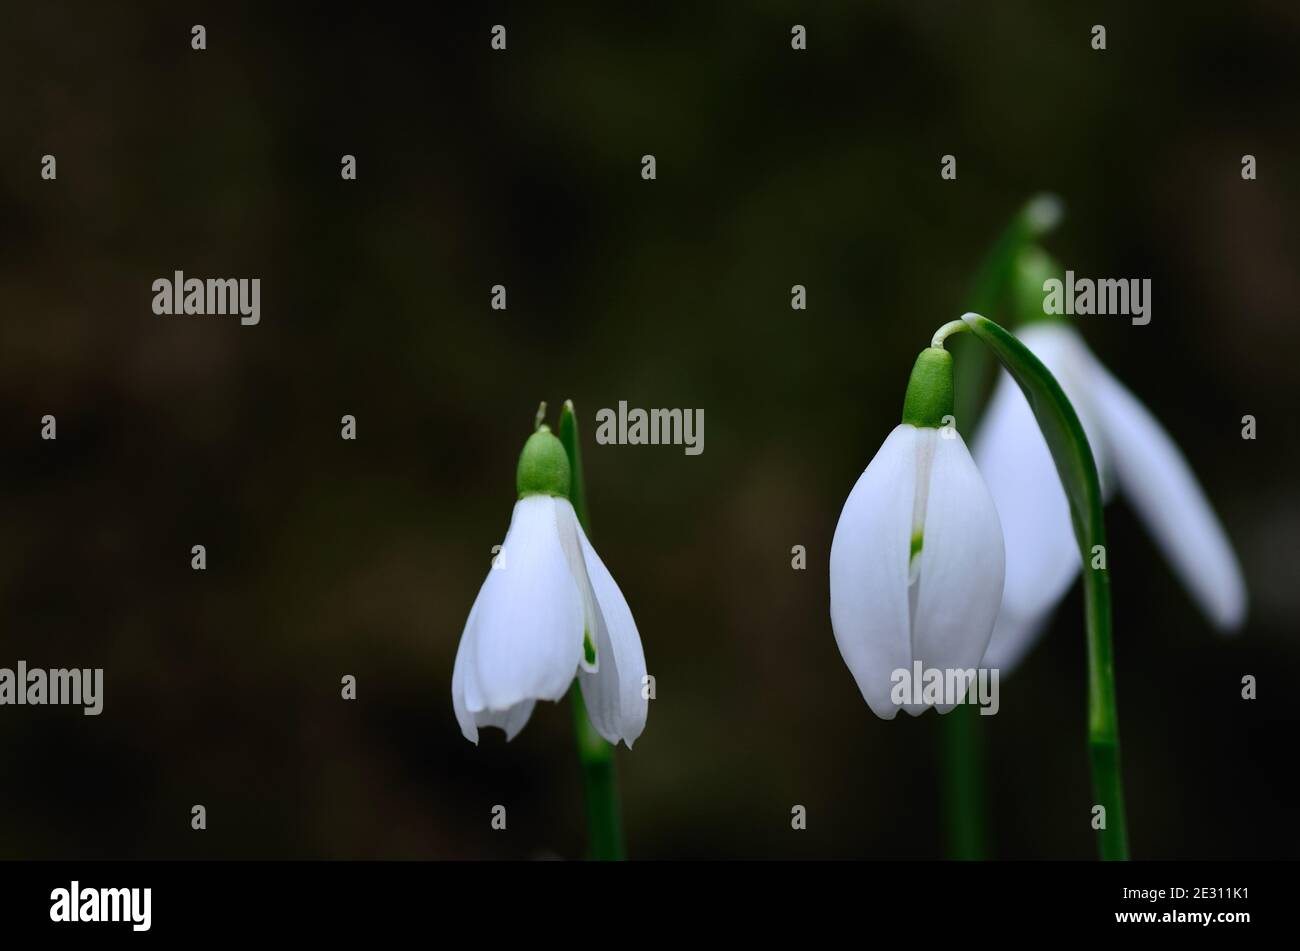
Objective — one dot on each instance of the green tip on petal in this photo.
(930, 390)
(543, 466)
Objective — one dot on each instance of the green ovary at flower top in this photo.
(1134, 454)
(548, 612)
(916, 562)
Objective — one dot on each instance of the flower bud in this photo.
(543, 466)
(930, 389)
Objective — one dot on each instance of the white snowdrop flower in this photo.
(1133, 454)
(548, 611)
(916, 563)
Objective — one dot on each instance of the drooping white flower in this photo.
(548, 611)
(1133, 454)
(916, 562)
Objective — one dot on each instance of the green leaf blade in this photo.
(572, 446)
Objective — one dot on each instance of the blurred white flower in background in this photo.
(1134, 455)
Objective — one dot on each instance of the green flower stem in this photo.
(604, 817)
(965, 805)
(595, 755)
(1077, 470)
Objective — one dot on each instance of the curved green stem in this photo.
(596, 756)
(1077, 470)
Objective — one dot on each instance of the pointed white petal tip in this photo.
(1158, 480)
(885, 710)
(1230, 619)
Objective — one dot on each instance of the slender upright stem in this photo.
(595, 755)
(965, 805)
(1103, 714)
(604, 817)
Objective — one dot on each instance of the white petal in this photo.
(1042, 556)
(613, 693)
(1013, 635)
(528, 632)
(512, 720)
(1067, 356)
(961, 564)
(566, 520)
(1012, 455)
(464, 683)
(1159, 482)
(868, 570)
(464, 650)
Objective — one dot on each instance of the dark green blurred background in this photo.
(774, 168)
